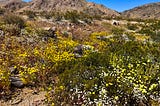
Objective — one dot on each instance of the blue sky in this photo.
(121, 5)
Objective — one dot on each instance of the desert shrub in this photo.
(4, 78)
(85, 17)
(97, 17)
(117, 31)
(72, 15)
(132, 26)
(115, 76)
(2, 11)
(14, 19)
(99, 35)
(107, 73)
(146, 31)
(11, 29)
(58, 16)
(47, 15)
(42, 32)
(150, 27)
(30, 14)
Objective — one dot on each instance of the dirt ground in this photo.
(26, 97)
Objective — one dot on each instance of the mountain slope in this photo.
(147, 11)
(69, 5)
(59, 5)
(12, 4)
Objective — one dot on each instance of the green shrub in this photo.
(11, 29)
(58, 16)
(72, 15)
(132, 26)
(30, 14)
(42, 32)
(14, 19)
(47, 15)
(117, 31)
(2, 11)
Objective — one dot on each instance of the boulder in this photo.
(15, 78)
(116, 23)
(16, 82)
(78, 50)
(52, 32)
(14, 70)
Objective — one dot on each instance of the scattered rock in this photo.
(52, 32)
(16, 101)
(78, 50)
(125, 37)
(14, 70)
(116, 23)
(15, 78)
(1, 33)
(77, 55)
(102, 37)
(16, 82)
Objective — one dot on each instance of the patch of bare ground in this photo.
(26, 97)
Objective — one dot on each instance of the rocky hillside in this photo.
(146, 11)
(69, 5)
(12, 4)
(59, 5)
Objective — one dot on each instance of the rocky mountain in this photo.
(69, 5)
(12, 4)
(59, 5)
(145, 11)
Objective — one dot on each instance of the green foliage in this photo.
(117, 31)
(109, 72)
(117, 75)
(4, 78)
(14, 19)
(151, 28)
(58, 16)
(72, 15)
(132, 26)
(2, 11)
(42, 32)
(11, 29)
(30, 14)
(112, 74)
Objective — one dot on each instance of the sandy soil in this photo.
(27, 97)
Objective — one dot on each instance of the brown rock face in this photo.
(148, 11)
